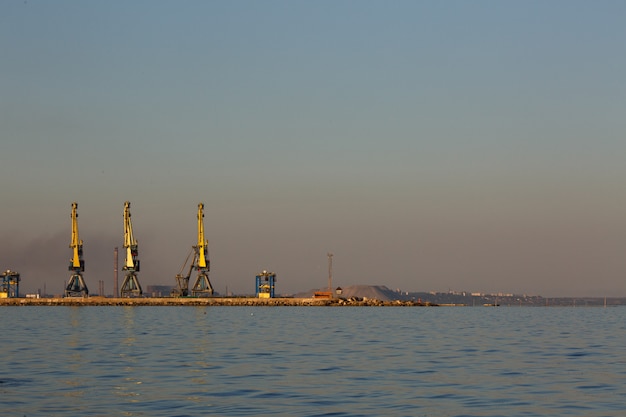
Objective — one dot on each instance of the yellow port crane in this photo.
(76, 286)
(130, 286)
(202, 287)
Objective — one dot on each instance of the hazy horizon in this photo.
(472, 146)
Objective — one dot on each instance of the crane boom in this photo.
(182, 281)
(202, 243)
(76, 244)
(129, 240)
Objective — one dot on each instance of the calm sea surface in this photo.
(313, 361)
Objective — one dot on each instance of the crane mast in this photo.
(202, 243)
(76, 286)
(130, 243)
(76, 243)
(130, 286)
(202, 287)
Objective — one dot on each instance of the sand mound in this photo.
(371, 292)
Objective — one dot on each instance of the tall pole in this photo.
(115, 263)
(330, 272)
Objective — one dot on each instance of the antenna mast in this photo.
(330, 272)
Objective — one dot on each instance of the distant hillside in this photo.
(378, 292)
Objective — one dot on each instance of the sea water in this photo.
(313, 361)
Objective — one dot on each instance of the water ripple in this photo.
(251, 361)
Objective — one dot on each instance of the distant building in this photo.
(159, 290)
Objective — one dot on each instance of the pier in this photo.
(206, 301)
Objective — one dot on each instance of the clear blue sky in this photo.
(464, 145)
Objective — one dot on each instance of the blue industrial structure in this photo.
(10, 284)
(265, 284)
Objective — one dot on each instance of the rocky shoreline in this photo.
(209, 301)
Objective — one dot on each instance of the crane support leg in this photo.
(76, 287)
(202, 287)
(130, 286)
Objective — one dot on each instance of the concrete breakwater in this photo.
(209, 301)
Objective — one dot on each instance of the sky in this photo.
(430, 146)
